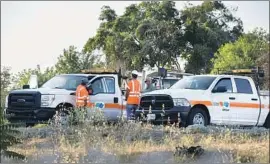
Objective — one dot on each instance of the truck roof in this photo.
(73, 74)
(81, 74)
(237, 76)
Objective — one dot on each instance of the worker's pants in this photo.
(131, 110)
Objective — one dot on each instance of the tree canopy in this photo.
(157, 33)
(243, 53)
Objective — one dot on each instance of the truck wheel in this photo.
(61, 116)
(198, 116)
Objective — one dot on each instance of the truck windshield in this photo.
(64, 82)
(167, 83)
(194, 82)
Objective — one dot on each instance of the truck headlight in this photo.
(46, 100)
(181, 102)
(6, 102)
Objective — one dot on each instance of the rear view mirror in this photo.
(26, 86)
(261, 74)
(220, 89)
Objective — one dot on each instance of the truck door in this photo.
(107, 96)
(246, 107)
(222, 112)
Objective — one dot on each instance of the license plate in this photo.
(151, 116)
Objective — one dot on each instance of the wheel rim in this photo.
(198, 119)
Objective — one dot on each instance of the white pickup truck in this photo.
(209, 99)
(35, 105)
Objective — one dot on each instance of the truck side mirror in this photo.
(26, 86)
(261, 74)
(220, 89)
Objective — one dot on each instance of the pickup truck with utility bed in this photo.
(208, 99)
(38, 105)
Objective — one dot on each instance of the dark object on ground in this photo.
(193, 151)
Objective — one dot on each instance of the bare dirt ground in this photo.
(134, 143)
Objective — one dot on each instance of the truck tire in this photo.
(197, 116)
(267, 122)
(61, 115)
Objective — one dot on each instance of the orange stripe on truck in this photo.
(206, 103)
(244, 105)
(232, 104)
(109, 106)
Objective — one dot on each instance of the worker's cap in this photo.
(134, 72)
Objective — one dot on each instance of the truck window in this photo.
(243, 86)
(225, 82)
(110, 84)
(97, 86)
(194, 83)
(68, 82)
(167, 83)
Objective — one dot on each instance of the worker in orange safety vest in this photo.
(82, 94)
(133, 95)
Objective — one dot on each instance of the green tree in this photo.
(73, 61)
(156, 33)
(23, 77)
(125, 39)
(8, 135)
(69, 61)
(6, 78)
(246, 52)
(206, 28)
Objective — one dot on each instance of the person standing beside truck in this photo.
(133, 95)
(149, 86)
(82, 95)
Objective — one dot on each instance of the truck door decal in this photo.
(226, 106)
(102, 105)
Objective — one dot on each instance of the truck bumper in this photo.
(29, 116)
(176, 114)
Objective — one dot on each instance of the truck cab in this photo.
(41, 104)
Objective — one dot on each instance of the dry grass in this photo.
(135, 143)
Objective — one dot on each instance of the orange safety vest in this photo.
(81, 96)
(134, 87)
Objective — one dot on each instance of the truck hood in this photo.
(178, 93)
(45, 91)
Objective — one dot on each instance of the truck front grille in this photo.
(24, 101)
(156, 102)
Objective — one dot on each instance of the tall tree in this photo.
(73, 61)
(250, 50)
(125, 38)
(68, 62)
(246, 52)
(206, 28)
